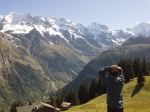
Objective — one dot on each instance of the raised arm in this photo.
(102, 73)
(115, 74)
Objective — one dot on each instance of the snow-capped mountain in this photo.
(142, 28)
(97, 29)
(17, 23)
(22, 23)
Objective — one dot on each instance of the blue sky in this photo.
(115, 14)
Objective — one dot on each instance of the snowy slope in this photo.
(17, 23)
(23, 23)
(142, 28)
(1, 17)
(97, 29)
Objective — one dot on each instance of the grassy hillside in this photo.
(136, 99)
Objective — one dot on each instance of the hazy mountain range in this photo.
(39, 55)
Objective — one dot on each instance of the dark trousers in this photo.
(110, 109)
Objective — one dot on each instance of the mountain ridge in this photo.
(62, 22)
(16, 23)
(24, 22)
(132, 48)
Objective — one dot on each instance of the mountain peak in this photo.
(17, 23)
(64, 23)
(18, 18)
(142, 28)
(97, 29)
(98, 26)
(80, 26)
(64, 20)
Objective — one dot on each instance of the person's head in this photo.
(115, 70)
(115, 74)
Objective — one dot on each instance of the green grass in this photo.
(136, 99)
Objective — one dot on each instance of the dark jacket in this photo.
(114, 88)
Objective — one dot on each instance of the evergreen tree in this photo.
(14, 105)
(58, 101)
(64, 96)
(137, 66)
(129, 72)
(148, 66)
(92, 89)
(140, 79)
(99, 87)
(30, 103)
(73, 97)
(144, 67)
(53, 102)
(124, 65)
(121, 63)
(83, 93)
(76, 100)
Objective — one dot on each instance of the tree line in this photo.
(135, 68)
(85, 93)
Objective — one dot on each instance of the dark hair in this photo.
(114, 74)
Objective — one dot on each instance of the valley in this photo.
(40, 55)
